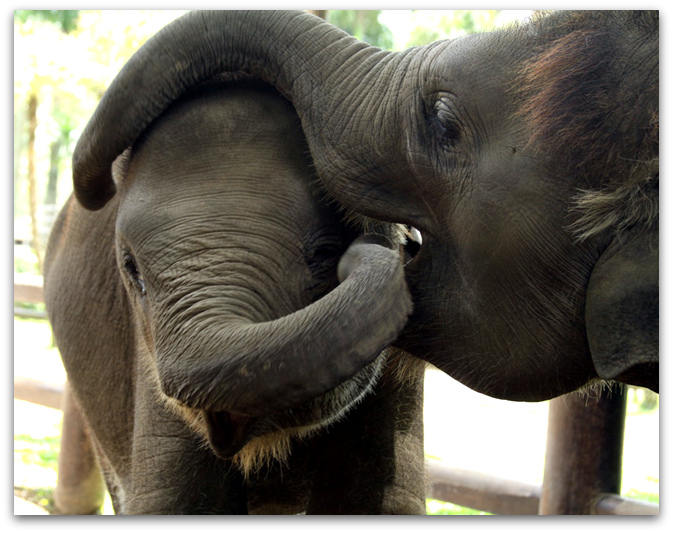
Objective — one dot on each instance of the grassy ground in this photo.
(463, 428)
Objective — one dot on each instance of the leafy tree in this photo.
(61, 145)
(62, 76)
(63, 19)
(426, 26)
(67, 22)
(322, 13)
(452, 25)
(364, 25)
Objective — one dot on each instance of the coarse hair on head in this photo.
(590, 96)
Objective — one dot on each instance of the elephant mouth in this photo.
(227, 433)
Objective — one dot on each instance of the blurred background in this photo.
(63, 62)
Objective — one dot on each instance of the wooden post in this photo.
(585, 440)
(80, 488)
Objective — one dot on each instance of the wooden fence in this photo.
(582, 463)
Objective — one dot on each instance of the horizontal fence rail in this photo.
(481, 491)
(28, 289)
(475, 490)
(38, 392)
(502, 496)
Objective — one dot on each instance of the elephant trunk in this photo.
(325, 73)
(259, 369)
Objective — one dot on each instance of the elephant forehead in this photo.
(163, 168)
(222, 182)
(215, 214)
(478, 67)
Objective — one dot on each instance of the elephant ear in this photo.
(622, 311)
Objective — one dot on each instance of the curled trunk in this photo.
(313, 350)
(293, 50)
(259, 369)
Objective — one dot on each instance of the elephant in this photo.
(203, 313)
(526, 157)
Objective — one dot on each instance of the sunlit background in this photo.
(63, 61)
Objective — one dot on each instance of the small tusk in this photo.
(413, 244)
(413, 234)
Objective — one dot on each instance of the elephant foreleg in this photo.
(372, 462)
(80, 488)
(172, 471)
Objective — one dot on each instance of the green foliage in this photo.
(41, 496)
(364, 25)
(63, 19)
(437, 507)
(65, 122)
(38, 308)
(42, 452)
(642, 401)
(450, 26)
(66, 73)
(23, 265)
(643, 496)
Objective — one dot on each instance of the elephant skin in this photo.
(219, 364)
(523, 156)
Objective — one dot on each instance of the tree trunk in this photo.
(52, 183)
(32, 182)
(19, 143)
(50, 207)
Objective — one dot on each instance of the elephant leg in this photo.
(172, 471)
(283, 489)
(372, 462)
(178, 475)
(80, 488)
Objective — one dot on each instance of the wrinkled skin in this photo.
(191, 312)
(527, 158)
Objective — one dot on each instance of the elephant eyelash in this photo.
(447, 122)
(134, 275)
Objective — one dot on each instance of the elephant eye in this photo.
(448, 121)
(133, 273)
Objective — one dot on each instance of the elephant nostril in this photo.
(413, 243)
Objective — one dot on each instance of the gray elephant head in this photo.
(527, 158)
(229, 255)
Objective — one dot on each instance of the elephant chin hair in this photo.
(276, 446)
(326, 410)
(598, 388)
(256, 454)
(262, 451)
(406, 367)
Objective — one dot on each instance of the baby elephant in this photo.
(207, 338)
